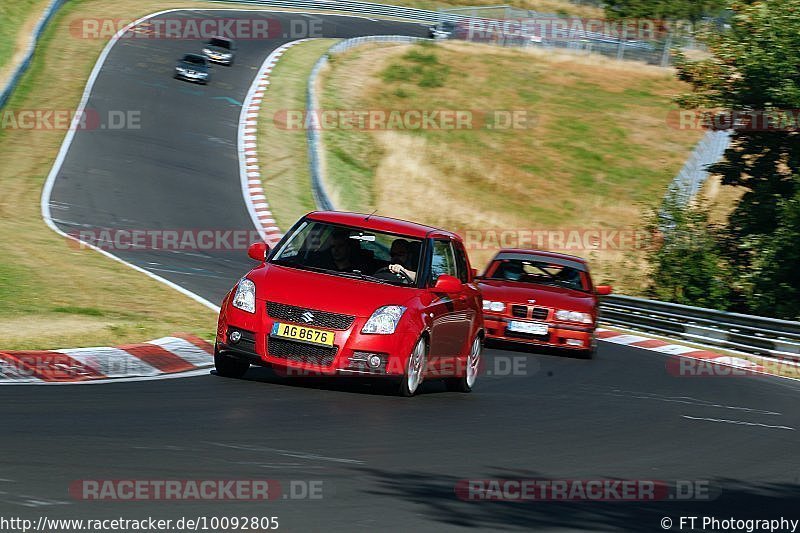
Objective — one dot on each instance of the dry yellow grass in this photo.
(598, 155)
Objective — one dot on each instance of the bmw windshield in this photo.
(351, 252)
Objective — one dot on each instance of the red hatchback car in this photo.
(540, 297)
(357, 295)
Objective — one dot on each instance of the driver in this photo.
(400, 254)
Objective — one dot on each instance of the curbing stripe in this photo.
(657, 345)
(253, 193)
(158, 359)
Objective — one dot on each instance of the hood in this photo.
(192, 66)
(218, 49)
(556, 297)
(326, 292)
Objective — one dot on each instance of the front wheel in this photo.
(467, 381)
(415, 369)
(229, 367)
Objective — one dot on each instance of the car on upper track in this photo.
(193, 67)
(356, 295)
(542, 298)
(220, 50)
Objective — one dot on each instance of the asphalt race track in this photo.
(385, 463)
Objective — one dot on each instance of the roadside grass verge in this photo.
(560, 7)
(18, 18)
(282, 150)
(53, 294)
(594, 150)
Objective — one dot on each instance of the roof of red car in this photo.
(378, 223)
(543, 253)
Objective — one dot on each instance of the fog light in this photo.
(375, 361)
(235, 336)
(574, 342)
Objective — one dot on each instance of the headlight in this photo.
(384, 320)
(573, 316)
(245, 297)
(495, 307)
(203, 74)
(180, 69)
(206, 51)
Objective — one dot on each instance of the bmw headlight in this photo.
(245, 297)
(384, 320)
(495, 307)
(573, 316)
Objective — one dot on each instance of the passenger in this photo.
(401, 257)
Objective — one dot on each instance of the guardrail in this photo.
(360, 8)
(5, 94)
(316, 156)
(744, 333)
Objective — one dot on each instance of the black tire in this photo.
(405, 390)
(230, 367)
(464, 383)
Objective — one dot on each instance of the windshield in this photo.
(194, 59)
(222, 43)
(541, 272)
(351, 252)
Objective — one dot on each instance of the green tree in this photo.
(686, 265)
(692, 10)
(754, 68)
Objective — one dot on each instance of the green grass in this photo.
(593, 151)
(14, 14)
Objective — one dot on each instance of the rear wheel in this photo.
(415, 369)
(467, 381)
(230, 367)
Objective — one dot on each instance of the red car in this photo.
(540, 297)
(356, 295)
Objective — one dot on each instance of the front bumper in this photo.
(559, 335)
(191, 77)
(350, 355)
(220, 60)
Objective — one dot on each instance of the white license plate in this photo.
(531, 328)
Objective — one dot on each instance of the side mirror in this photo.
(474, 273)
(447, 284)
(603, 290)
(258, 251)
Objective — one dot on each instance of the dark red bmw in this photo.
(543, 298)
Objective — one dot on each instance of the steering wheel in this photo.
(402, 275)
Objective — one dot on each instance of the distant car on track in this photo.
(193, 67)
(220, 50)
(356, 295)
(542, 298)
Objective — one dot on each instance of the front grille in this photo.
(322, 319)
(301, 352)
(519, 311)
(540, 313)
